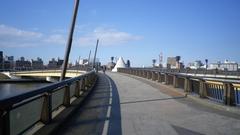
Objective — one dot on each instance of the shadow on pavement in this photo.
(91, 116)
(115, 124)
(152, 100)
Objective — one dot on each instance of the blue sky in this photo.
(137, 30)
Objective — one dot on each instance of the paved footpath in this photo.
(132, 107)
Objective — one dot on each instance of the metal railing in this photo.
(21, 112)
(215, 91)
(221, 90)
(194, 71)
(237, 94)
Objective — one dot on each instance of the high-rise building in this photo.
(52, 64)
(226, 65)
(174, 62)
(9, 62)
(171, 62)
(23, 64)
(1, 60)
(59, 63)
(37, 64)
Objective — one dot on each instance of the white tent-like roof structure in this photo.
(120, 64)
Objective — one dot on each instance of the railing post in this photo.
(46, 114)
(148, 74)
(202, 89)
(145, 74)
(187, 84)
(4, 123)
(138, 72)
(66, 100)
(166, 79)
(175, 81)
(77, 89)
(87, 83)
(229, 95)
(153, 76)
(83, 85)
(159, 77)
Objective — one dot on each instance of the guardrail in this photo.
(195, 72)
(21, 112)
(220, 90)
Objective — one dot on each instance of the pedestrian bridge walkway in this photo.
(125, 105)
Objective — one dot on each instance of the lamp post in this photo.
(69, 42)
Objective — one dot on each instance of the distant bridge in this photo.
(46, 73)
(50, 75)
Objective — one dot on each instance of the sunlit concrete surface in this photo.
(130, 106)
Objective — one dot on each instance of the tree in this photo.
(178, 58)
(206, 61)
(128, 63)
(154, 62)
(112, 58)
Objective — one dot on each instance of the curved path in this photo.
(125, 105)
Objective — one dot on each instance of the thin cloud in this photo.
(14, 32)
(56, 39)
(108, 36)
(14, 37)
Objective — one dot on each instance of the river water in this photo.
(11, 89)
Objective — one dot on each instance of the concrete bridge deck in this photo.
(124, 105)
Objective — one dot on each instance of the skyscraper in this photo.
(1, 60)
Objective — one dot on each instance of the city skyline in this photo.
(195, 30)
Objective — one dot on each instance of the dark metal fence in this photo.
(215, 91)
(237, 94)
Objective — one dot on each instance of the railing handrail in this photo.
(190, 71)
(211, 71)
(9, 101)
(180, 74)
